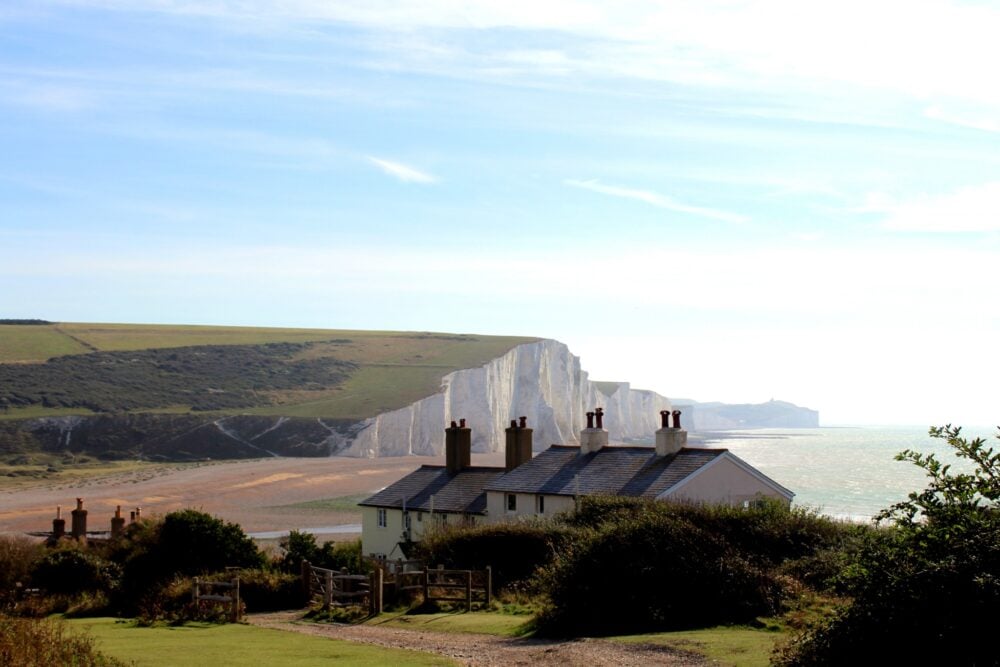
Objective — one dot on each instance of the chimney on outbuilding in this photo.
(518, 447)
(457, 447)
(594, 436)
(79, 521)
(117, 523)
(58, 524)
(670, 439)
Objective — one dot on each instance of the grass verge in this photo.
(484, 623)
(732, 646)
(224, 645)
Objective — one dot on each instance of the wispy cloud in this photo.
(971, 209)
(401, 171)
(655, 199)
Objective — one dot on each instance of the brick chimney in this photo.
(117, 523)
(670, 439)
(457, 447)
(58, 524)
(518, 448)
(594, 436)
(79, 521)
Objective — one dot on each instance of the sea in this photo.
(844, 472)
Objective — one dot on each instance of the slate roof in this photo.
(461, 492)
(624, 471)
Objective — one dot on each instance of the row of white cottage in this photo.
(552, 481)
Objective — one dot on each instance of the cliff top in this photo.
(78, 368)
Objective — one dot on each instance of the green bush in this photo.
(514, 551)
(929, 589)
(18, 556)
(26, 642)
(183, 543)
(656, 570)
(72, 569)
(269, 591)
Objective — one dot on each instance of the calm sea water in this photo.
(842, 472)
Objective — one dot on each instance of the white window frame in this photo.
(541, 504)
(382, 519)
(510, 502)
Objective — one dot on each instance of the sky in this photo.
(727, 200)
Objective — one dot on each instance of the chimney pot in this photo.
(669, 440)
(524, 422)
(600, 417)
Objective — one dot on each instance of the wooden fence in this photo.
(206, 591)
(338, 588)
(441, 585)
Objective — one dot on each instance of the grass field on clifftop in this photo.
(75, 368)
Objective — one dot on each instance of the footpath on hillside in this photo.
(487, 650)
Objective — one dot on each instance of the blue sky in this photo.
(717, 200)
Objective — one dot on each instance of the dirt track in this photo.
(251, 493)
(487, 650)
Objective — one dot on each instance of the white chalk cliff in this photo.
(542, 381)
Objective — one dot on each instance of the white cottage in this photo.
(552, 481)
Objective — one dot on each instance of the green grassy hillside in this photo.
(73, 368)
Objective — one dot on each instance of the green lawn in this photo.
(724, 645)
(237, 645)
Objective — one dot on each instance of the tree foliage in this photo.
(928, 590)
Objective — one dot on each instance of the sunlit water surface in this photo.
(842, 472)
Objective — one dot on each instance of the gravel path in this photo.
(487, 650)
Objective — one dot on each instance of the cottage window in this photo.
(407, 523)
(541, 504)
(382, 522)
(511, 502)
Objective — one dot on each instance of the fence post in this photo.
(489, 585)
(375, 592)
(328, 589)
(236, 600)
(426, 587)
(307, 580)
(468, 590)
(194, 592)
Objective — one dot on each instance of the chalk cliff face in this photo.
(542, 381)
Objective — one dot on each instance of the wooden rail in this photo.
(232, 597)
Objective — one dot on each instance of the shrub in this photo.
(18, 556)
(653, 571)
(929, 589)
(42, 642)
(269, 591)
(72, 569)
(183, 543)
(514, 551)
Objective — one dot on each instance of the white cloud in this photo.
(654, 199)
(971, 209)
(401, 171)
(922, 50)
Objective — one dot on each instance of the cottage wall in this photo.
(527, 505)
(725, 482)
